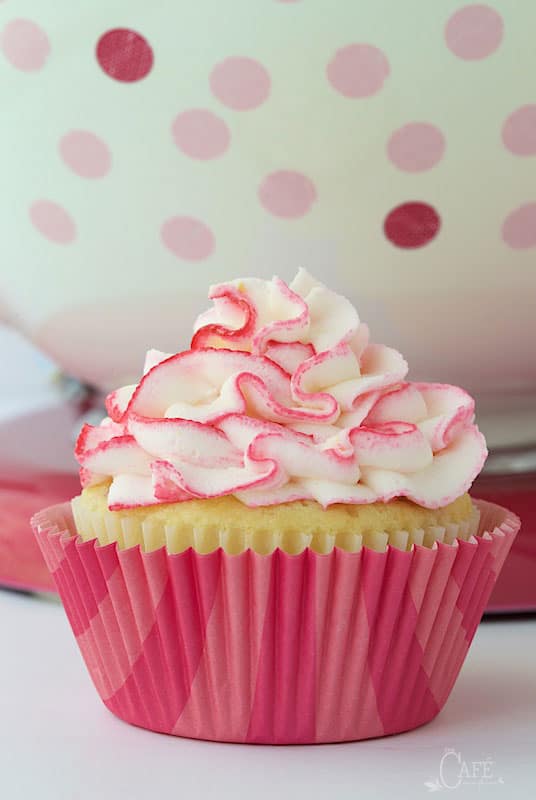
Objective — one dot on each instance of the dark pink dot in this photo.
(412, 224)
(287, 194)
(187, 238)
(85, 154)
(240, 83)
(474, 32)
(358, 70)
(200, 134)
(124, 55)
(25, 45)
(519, 227)
(52, 221)
(416, 147)
(519, 131)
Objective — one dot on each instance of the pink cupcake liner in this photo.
(278, 649)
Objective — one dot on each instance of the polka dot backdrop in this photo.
(124, 55)
(86, 154)
(358, 70)
(188, 239)
(25, 45)
(394, 155)
(240, 83)
(52, 221)
(474, 31)
(201, 134)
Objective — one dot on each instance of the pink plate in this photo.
(515, 591)
(21, 495)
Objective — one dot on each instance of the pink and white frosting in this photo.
(282, 397)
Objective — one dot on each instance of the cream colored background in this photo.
(460, 308)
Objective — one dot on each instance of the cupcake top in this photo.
(282, 397)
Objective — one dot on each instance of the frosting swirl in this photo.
(282, 397)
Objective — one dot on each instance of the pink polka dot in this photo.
(519, 131)
(519, 227)
(416, 147)
(25, 45)
(412, 225)
(187, 238)
(240, 83)
(474, 32)
(124, 55)
(358, 70)
(51, 220)
(287, 194)
(200, 134)
(85, 154)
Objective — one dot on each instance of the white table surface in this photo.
(58, 741)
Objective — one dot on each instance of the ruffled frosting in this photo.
(282, 397)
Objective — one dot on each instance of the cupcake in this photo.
(274, 541)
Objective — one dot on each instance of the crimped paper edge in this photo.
(129, 532)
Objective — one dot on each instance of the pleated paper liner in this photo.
(277, 648)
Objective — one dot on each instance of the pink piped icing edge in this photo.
(351, 399)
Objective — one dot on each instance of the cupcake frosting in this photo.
(282, 397)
